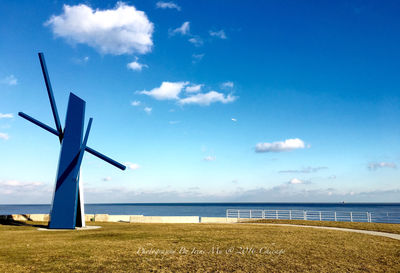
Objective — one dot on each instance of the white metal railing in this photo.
(341, 216)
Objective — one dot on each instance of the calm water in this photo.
(204, 209)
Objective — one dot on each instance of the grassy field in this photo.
(391, 228)
(121, 247)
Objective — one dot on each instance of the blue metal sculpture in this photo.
(67, 211)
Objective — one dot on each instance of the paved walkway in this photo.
(376, 233)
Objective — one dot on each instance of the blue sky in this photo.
(207, 100)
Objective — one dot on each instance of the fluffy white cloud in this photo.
(9, 80)
(233, 119)
(167, 5)
(135, 103)
(172, 91)
(227, 84)
(197, 41)
(148, 110)
(6, 115)
(295, 181)
(194, 88)
(4, 136)
(280, 146)
(210, 158)
(132, 166)
(135, 66)
(167, 91)
(378, 165)
(122, 30)
(220, 34)
(183, 29)
(208, 98)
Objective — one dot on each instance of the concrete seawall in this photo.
(126, 218)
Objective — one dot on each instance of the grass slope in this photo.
(390, 228)
(119, 247)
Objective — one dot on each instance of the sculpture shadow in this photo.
(9, 221)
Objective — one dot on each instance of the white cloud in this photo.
(19, 184)
(208, 98)
(9, 80)
(279, 193)
(4, 136)
(135, 103)
(167, 5)
(167, 91)
(194, 88)
(184, 29)
(132, 166)
(233, 119)
(81, 61)
(280, 146)
(227, 84)
(148, 110)
(6, 115)
(220, 34)
(197, 57)
(172, 91)
(122, 30)
(305, 170)
(296, 181)
(378, 165)
(210, 158)
(136, 66)
(197, 41)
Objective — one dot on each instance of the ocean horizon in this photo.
(206, 209)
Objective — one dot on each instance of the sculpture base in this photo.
(78, 228)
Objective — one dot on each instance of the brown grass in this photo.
(391, 228)
(118, 247)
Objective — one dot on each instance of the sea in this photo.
(204, 209)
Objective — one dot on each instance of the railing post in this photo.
(238, 214)
(335, 217)
(263, 214)
(290, 215)
(367, 217)
(250, 214)
(320, 216)
(276, 214)
(305, 214)
(351, 216)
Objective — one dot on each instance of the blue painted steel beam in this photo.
(38, 123)
(105, 158)
(79, 218)
(88, 149)
(83, 146)
(64, 208)
(51, 96)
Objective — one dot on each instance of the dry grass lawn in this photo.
(390, 228)
(121, 247)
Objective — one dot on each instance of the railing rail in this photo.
(339, 216)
